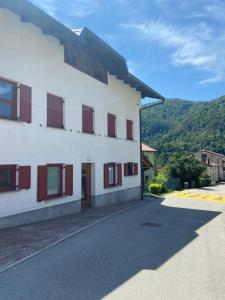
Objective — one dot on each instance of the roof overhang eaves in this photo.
(115, 63)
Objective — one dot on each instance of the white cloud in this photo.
(197, 46)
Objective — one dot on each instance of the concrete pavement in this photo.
(162, 249)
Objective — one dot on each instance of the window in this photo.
(9, 180)
(7, 177)
(111, 125)
(54, 180)
(129, 130)
(8, 99)
(87, 119)
(54, 111)
(130, 169)
(112, 175)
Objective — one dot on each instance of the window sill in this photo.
(9, 119)
(91, 133)
(54, 197)
(5, 190)
(53, 127)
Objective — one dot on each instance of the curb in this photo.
(68, 236)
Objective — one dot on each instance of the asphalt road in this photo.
(171, 249)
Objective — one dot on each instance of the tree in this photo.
(185, 168)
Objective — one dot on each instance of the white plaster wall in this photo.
(29, 57)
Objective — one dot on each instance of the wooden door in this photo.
(86, 185)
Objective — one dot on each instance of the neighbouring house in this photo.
(148, 163)
(214, 162)
(69, 118)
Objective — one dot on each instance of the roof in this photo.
(146, 148)
(146, 163)
(84, 39)
(214, 153)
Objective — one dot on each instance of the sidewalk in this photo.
(20, 242)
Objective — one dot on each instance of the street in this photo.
(160, 249)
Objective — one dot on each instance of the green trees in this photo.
(179, 170)
(181, 126)
(186, 169)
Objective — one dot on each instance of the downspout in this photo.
(149, 106)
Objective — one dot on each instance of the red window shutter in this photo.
(24, 177)
(126, 169)
(69, 180)
(135, 167)
(54, 111)
(119, 174)
(111, 125)
(42, 183)
(106, 176)
(25, 103)
(129, 130)
(87, 119)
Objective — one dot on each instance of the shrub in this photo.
(204, 181)
(156, 188)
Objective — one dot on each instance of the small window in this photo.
(87, 119)
(7, 177)
(54, 111)
(8, 99)
(129, 130)
(54, 180)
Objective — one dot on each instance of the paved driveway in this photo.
(171, 249)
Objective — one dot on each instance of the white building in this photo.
(69, 119)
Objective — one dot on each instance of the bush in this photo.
(156, 188)
(204, 181)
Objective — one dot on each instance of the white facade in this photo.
(37, 60)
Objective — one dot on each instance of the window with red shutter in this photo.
(112, 175)
(130, 169)
(25, 103)
(129, 130)
(87, 119)
(24, 177)
(69, 180)
(54, 111)
(111, 125)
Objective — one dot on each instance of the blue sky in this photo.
(175, 46)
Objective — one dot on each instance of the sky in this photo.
(175, 46)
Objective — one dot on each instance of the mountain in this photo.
(183, 126)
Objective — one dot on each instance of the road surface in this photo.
(161, 249)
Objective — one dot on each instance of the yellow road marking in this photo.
(196, 196)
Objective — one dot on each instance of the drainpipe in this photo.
(148, 106)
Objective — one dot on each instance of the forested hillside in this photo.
(182, 126)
